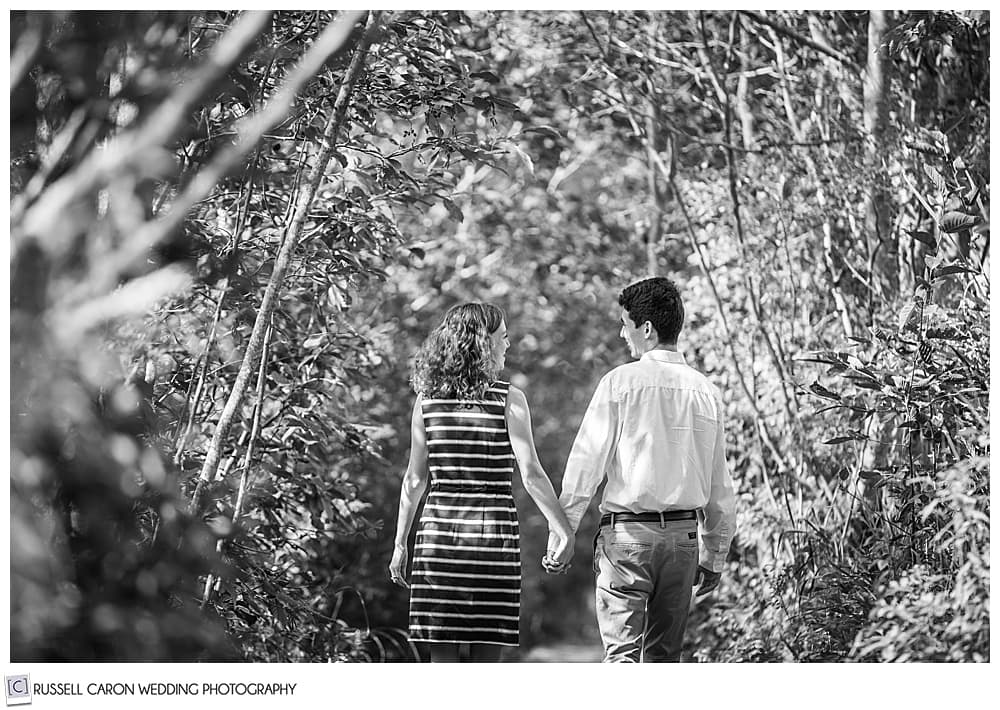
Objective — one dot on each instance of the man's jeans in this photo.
(645, 572)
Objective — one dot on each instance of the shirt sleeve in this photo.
(591, 453)
(719, 523)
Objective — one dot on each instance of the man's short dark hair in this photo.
(658, 301)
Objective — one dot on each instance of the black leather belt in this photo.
(612, 518)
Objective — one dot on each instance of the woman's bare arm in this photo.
(412, 489)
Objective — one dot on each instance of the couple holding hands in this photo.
(653, 429)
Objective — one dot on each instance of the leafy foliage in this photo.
(539, 160)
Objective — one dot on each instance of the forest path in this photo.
(565, 653)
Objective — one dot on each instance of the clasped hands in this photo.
(558, 553)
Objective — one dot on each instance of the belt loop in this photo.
(663, 523)
(612, 520)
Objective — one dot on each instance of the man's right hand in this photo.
(707, 579)
(559, 552)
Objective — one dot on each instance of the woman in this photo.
(467, 429)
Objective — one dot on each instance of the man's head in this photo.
(652, 314)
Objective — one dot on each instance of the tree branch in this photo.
(27, 47)
(249, 131)
(725, 107)
(284, 257)
(800, 38)
(139, 145)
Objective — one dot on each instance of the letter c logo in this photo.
(19, 686)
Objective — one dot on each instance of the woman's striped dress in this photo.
(465, 585)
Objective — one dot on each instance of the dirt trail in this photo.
(565, 653)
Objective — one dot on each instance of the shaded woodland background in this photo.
(230, 232)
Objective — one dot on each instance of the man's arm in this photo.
(591, 453)
(719, 524)
(536, 483)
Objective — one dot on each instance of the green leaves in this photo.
(944, 333)
(935, 177)
(955, 221)
(924, 237)
(548, 131)
(850, 436)
(313, 341)
(454, 211)
(818, 389)
(524, 157)
(910, 317)
(446, 105)
(487, 76)
(950, 270)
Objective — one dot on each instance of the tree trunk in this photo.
(882, 245)
(212, 582)
(656, 190)
(881, 242)
(283, 260)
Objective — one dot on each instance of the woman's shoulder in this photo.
(515, 394)
(496, 391)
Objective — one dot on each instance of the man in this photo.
(654, 428)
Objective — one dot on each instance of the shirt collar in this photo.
(666, 356)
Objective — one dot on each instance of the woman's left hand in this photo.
(397, 567)
(559, 553)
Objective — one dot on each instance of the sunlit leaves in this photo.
(924, 238)
(954, 221)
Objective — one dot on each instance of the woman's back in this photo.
(467, 441)
(467, 565)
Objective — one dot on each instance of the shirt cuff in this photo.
(713, 561)
(575, 507)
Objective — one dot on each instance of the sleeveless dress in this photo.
(465, 584)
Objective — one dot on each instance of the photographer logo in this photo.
(18, 690)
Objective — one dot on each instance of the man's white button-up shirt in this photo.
(655, 428)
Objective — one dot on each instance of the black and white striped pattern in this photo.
(466, 578)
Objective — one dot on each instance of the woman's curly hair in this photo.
(456, 361)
